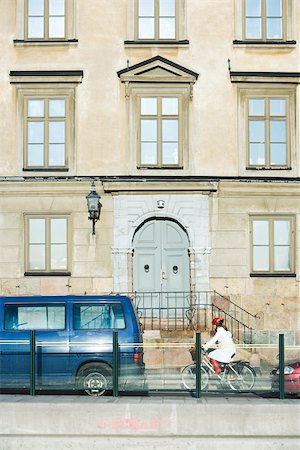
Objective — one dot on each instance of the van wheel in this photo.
(94, 379)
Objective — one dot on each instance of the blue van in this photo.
(74, 340)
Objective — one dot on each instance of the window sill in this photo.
(47, 43)
(268, 168)
(47, 274)
(159, 168)
(46, 170)
(272, 275)
(265, 44)
(162, 44)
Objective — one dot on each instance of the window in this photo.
(47, 244)
(268, 131)
(159, 139)
(264, 19)
(272, 241)
(98, 317)
(34, 317)
(45, 19)
(159, 92)
(156, 19)
(45, 132)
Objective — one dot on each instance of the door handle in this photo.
(163, 276)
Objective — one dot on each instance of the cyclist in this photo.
(226, 350)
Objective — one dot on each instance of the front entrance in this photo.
(161, 265)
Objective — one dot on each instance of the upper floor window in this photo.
(268, 131)
(264, 19)
(157, 19)
(159, 131)
(272, 243)
(46, 241)
(45, 19)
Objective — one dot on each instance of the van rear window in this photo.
(34, 317)
(98, 317)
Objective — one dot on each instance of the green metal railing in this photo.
(161, 383)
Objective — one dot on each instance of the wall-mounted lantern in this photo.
(94, 205)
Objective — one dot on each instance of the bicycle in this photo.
(239, 375)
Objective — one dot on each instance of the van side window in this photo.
(98, 317)
(34, 317)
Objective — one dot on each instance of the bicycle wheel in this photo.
(188, 376)
(240, 377)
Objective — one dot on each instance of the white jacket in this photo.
(226, 349)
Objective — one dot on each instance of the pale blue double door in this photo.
(161, 265)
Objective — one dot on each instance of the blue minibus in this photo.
(74, 341)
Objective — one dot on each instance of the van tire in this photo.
(95, 379)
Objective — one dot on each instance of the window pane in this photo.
(257, 131)
(56, 132)
(36, 132)
(36, 108)
(277, 106)
(274, 28)
(278, 154)
(274, 8)
(253, 28)
(56, 155)
(36, 27)
(170, 153)
(167, 28)
(99, 316)
(260, 232)
(253, 8)
(256, 106)
(146, 28)
(257, 154)
(57, 108)
(56, 27)
(56, 7)
(148, 130)
(35, 155)
(36, 231)
(170, 130)
(58, 229)
(261, 258)
(148, 106)
(282, 232)
(146, 8)
(58, 257)
(35, 7)
(148, 153)
(37, 257)
(167, 8)
(34, 317)
(282, 258)
(170, 106)
(277, 131)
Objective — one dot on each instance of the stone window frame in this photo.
(47, 271)
(288, 28)
(180, 39)
(271, 218)
(46, 84)
(21, 27)
(256, 90)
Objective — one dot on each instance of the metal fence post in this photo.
(198, 365)
(115, 364)
(281, 366)
(32, 361)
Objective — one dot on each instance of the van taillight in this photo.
(136, 358)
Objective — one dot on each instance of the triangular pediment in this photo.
(157, 69)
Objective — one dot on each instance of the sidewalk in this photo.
(158, 422)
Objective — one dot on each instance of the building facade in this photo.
(184, 113)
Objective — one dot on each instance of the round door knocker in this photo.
(175, 269)
(146, 267)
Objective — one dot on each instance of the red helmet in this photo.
(217, 321)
